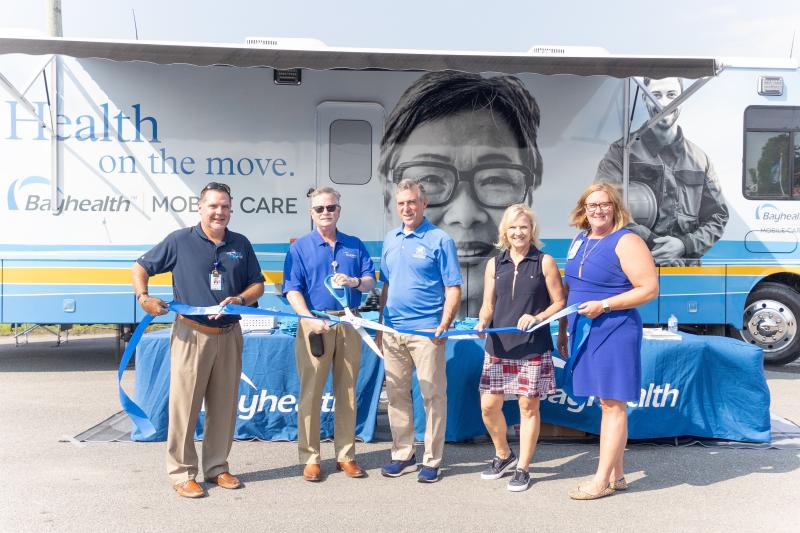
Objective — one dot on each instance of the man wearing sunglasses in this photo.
(210, 266)
(323, 252)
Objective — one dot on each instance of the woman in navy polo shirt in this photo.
(522, 286)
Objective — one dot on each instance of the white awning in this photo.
(203, 54)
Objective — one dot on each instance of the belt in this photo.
(209, 330)
(339, 313)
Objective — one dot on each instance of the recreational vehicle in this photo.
(104, 146)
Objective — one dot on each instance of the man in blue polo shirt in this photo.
(324, 252)
(421, 291)
(210, 265)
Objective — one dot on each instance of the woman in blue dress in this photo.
(610, 272)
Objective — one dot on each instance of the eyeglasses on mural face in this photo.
(493, 184)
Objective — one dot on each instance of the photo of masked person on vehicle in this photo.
(471, 142)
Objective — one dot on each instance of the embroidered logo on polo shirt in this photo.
(419, 253)
(350, 254)
(234, 255)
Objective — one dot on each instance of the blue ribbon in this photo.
(140, 418)
(583, 326)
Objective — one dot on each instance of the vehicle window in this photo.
(350, 151)
(772, 153)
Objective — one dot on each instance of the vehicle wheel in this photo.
(770, 322)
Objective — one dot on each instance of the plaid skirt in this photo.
(531, 377)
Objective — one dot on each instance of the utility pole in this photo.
(54, 28)
(53, 72)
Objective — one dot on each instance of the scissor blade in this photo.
(359, 322)
(370, 342)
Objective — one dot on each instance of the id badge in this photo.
(215, 280)
(573, 251)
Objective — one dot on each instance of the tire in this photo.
(771, 315)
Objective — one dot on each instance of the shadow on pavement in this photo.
(80, 354)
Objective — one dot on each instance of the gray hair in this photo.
(409, 184)
(324, 190)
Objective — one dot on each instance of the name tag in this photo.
(215, 281)
(573, 251)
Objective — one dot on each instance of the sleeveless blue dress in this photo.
(605, 356)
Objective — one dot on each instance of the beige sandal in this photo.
(619, 484)
(580, 494)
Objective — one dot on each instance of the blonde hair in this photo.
(512, 213)
(622, 217)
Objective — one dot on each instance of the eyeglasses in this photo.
(493, 184)
(329, 208)
(215, 186)
(602, 206)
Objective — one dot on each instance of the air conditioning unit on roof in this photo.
(286, 43)
(569, 51)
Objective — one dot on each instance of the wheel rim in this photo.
(770, 325)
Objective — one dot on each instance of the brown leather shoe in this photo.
(351, 469)
(312, 472)
(189, 489)
(226, 480)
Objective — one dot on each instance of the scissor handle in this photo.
(340, 293)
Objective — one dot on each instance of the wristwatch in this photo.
(606, 306)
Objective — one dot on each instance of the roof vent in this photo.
(570, 51)
(286, 43)
(287, 76)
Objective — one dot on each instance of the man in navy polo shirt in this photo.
(421, 291)
(210, 265)
(324, 252)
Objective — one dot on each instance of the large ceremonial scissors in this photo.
(358, 323)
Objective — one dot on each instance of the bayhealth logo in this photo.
(765, 209)
(771, 213)
(31, 183)
(33, 194)
(261, 401)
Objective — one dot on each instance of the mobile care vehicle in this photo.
(104, 146)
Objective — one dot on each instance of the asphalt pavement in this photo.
(48, 393)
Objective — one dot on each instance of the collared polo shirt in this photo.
(310, 260)
(418, 266)
(190, 256)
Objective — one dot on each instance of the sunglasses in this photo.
(215, 186)
(329, 208)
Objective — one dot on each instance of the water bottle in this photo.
(672, 324)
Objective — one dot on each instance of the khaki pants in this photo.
(202, 366)
(403, 352)
(342, 349)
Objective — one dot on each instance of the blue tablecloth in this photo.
(702, 386)
(268, 390)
